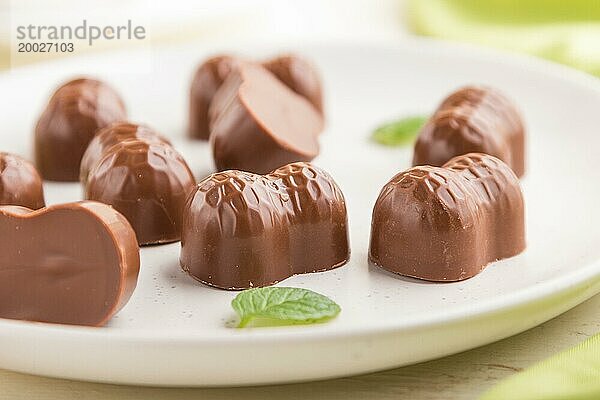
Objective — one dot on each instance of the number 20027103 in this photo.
(45, 47)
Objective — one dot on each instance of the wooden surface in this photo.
(462, 376)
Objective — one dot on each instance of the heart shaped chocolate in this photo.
(473, 119)
(447, 223)
(243, 230)
(294, 71)
(299, 75)
(74, 263)
(258, 124)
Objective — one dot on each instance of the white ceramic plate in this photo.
(175, 331)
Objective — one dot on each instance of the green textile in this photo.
(573, 374)
(565, 31)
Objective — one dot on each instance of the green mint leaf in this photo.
(399, 133)
(573, 374)
(270, 306)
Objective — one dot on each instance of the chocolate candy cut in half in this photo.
(474, 119)
(74, 263)
(20, 183)
(207, 79)
(243, 230)
(294, 71)
(258, 124)
(299, 75)
(73, 115)
(448, 223)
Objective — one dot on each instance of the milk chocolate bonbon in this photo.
(243, 230)
(147, 182)
(207, 80)
(300, 76)
(20, 183)
(114, 134)
(447, 223)
(74, 263)
(259, 124)
(473, 119)
(292, 70)
(73, 115)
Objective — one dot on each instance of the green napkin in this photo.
(566, 31)
(573, 374)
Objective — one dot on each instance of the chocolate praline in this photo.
(208, 78)
(69, 122)
(20, 183)
(258, 124)
(146, 182)
(243, 230)
(113, 134)
(295, 72)
(473, 119)
(299, 75)
(73, 263)
(447, 223)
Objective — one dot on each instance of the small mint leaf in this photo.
(399, 133)
(272, 306)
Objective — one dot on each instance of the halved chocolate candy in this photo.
(147, 182)
(447, 223)
(74, 263)
(20, 183)
(259, 124)
(243, 230)
(73, 115)
(299, 75)
(114, 134)
(207, 80)
(473, 119)
(292, 70)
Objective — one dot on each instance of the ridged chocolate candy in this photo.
(447, 223)
(243, 230)
(148, 183)
(20, 183)
(114, 134)
(258, 124)
(473, 119)
(74, 263)
(73, 115)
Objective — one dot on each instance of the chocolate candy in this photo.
(73, 263)
(20, 183)
(300, 76)
(448, 223)
(73, 115)
(111, 135)
(295, 72)
(473, 119)
(207, 80)
(259, 124)
(243, 230)
(146, 181)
